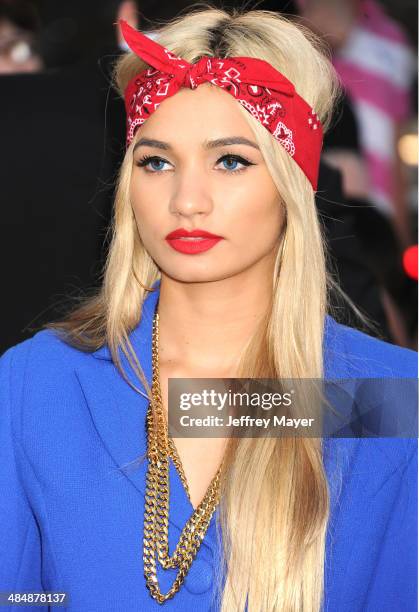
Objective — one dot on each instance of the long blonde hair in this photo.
(274, 505)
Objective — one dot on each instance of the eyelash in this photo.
(144, 161)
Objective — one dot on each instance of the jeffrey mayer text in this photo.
(282, 421)
(244, 421)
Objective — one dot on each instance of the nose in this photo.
(191, 195)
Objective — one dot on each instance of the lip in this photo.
(196, 233)
(203, 241)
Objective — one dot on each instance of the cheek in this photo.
(259, 216)
(145, 207)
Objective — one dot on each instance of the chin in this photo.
(207, 274)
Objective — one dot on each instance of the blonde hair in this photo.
(274, 506)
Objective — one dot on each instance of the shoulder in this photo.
(352, 353)
(45, 347)
(44, 361)
(40, 391)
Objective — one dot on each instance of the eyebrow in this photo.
(208, 144)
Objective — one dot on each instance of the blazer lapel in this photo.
(119, 415)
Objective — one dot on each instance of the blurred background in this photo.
(62, 141)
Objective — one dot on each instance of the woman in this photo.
(289, 523)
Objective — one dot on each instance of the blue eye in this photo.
(152, 163)
(157, 164)
(231, 163)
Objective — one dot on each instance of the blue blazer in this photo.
(71, 519)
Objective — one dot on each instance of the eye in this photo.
(152, 163)
(231, 163)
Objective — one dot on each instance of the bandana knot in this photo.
(197, 73)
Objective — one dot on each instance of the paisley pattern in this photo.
(261, 89)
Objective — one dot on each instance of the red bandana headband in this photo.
(261, 89)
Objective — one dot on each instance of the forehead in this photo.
(196, 114)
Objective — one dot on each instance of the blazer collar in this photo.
(142, 334)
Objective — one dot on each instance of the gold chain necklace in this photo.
(156, 511)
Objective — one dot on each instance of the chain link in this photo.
(156, 511)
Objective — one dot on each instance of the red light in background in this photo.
(410, 261)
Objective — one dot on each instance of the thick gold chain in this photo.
(156, 512)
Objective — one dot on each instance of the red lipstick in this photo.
(192, 242)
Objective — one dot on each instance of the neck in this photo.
(205, 326)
